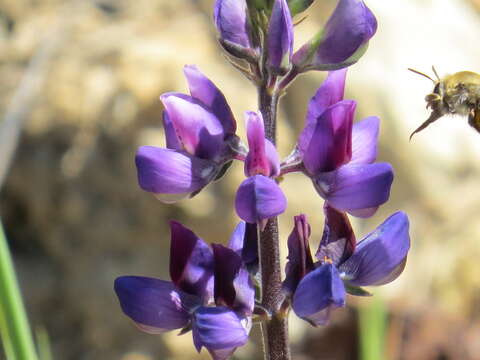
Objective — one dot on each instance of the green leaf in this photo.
(356, 290)
(298, 6)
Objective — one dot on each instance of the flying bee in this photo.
(457, 94)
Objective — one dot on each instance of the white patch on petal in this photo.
(171, 198)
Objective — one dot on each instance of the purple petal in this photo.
(329, 145)
(197, 128)
(364, 140)
(343, 39)
(244, 241)
(381, 256)
(191, 262)
(172, 175)
(262, 157)
(318, 294)
(170, 134)
(154, 305)
(328, 94)
(356, 187)
(338, 240)
(233, 287)
(300, 260)
(203, 89)
(231, 20)
(219, 328)
(280, 37)
(259, 198)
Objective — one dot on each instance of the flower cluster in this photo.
(213, 291)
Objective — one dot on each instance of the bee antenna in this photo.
(422, 74)
(435, 72)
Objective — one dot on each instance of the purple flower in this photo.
(280, 38)
(259, 197)
(341, 42)
(233, 25)
(343, 266)
(338, 156)
(200, 137)
(211, 293)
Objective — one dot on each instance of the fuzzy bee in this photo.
(457, 94)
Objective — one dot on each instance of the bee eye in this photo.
(436, 89)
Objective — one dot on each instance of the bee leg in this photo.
(434, 116)
(474, 119)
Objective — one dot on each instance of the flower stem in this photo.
(14, 327)
(275, 330)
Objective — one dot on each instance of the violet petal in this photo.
(330, 92)
(280, 37)
(259, 198)
(329, 145)
(198, 129)
(219, 328)
(355, 187)
(343, 40)
(231, 20)
(338, 240)
(262, 157)
(318, 293)
(170, 134)
(364, 140)
(154, 305)
(380, 256)
(300, 260)
(204, 89)
(191, 262)
(172, 175)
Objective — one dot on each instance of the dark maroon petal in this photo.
(231, 20)
(219, 328)
(233, 287)
(329, 144)
(355, 187)
(259, 198)
(154, 305)
(318, 294)
(172, 175)
(280, 37)
(364, 140)
(198, 129)
(300, 260)
(328, 94)
(338, 240)
(191, 262)
(244, 241)
(203, 89)
(380, 257)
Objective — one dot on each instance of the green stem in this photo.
(14, 327)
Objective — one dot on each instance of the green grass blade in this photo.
(372, 327)
(14, 328)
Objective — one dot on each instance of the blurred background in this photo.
(83, 79)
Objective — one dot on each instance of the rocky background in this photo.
(86, 75)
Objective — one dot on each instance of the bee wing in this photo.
(434, 116)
